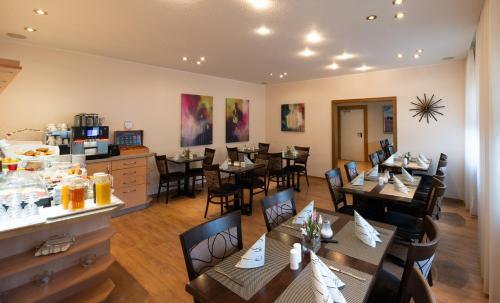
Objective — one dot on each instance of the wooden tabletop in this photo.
(236, 170)
(183, 159)
(206, 289)
(412, 165)
(250, 150)
(291, 156)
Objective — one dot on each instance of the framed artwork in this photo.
(293, 117)
(387, 123)
(196, 120)
(237, 120)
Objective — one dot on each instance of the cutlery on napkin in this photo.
(359, 180)
(255, 256)
(325, 283)
(247, 161)
(421, 163)
(373, 172)
(390, 159)
(399, 186)
(407, 176)
(346, 273)
(225, 164)
(423, 158)
(364, 231)
(304, 214)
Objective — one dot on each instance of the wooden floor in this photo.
(147, 246)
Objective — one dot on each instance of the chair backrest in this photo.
(381, 155)
(275, 162)
(389, 150)
(207, 244)
(232, 153)
(351, 169)
(278, 208)
(209, 156)
(162, 165)
(334, 181)
(212, 175)
(264, 147)
(262, 159)
(384, 143)
(441, 166)
(421, 255)
(374, 159)
(304, 151)
(443, 157)
(417, 289)
(435, 197)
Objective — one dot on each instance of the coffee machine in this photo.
(92, 141)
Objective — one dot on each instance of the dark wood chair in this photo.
(384, 143)
(278, 208)
(277, 173)
(389, 288)
(209, 243)
(256, 182)
(299, 165)
(166, 177)
(381, 155)
(417, 289)
(389, 150)
(334, 180)
(264, 147)
(351, 170)
(218, 192)
(197, 172)
(374, 159)
(232, 154)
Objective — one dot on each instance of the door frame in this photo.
(365, 128)
(335, 103)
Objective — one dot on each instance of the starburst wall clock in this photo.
(427, 108)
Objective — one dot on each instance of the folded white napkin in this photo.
(421, 163)
(304, 214)
(407, 176)
(390, 159)
(423, 158)
(247, 161)
(399, 186)
(255, 256)
(325, 283)
(373, 172)
(225, 164)
(360, 180)
(365, 232)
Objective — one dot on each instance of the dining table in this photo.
(186, 161)
(396, 162)
(250, 152)
(277, 282)
(289, 157)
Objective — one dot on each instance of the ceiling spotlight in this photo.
(345, 56)
(285, 73)
(281, 76)
(399, 15)
(400, 55)
(416, 56)
(307, 52)
(397, 2)
(184, 58)
(271, 74)
(198, 62)
(259, 4)
(40, 12)
(371, 17)
(333, 66)
(202, 58)
(263, 31)
(30, 29)
(313, 37)
(364, 68)
(420, 50)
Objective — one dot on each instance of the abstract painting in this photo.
(237, 120)
(293, 117)
(388, 118)
(196, 120)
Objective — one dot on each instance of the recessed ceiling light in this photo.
(285, 73)
(271, 74)
(400, 55)
(259, 4)
(15, 36)
(307, 52)
(263, 31)
(184, 58)
(313, 37)
(397, 2)
(202, 58)
(371, 17)
(364, 68)
(399, 15)
(40, 12)
(281, 76)
(333, 66)
(345, 56)
(29, 29)
(416, 56)
(420, 50)
(198, 62)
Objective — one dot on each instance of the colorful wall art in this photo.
(196, 120)
(388, 119)
(293, 117)
(237, 120)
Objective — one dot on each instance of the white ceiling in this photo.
(161, 32)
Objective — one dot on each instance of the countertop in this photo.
(125, 157)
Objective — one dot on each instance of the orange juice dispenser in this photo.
(102, 188)
(77, 194)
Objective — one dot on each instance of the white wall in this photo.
(446, 135)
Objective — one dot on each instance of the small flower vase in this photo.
(405, 161)
(312, 243)
(326, 230)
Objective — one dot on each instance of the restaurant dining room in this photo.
(232, 151)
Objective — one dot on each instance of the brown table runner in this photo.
(301, 289)
(277, 257)
(295, 231)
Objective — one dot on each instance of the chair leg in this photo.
(179, 186)
(159, 190)
(168, 191)
(298, 180)
(250, 201)
(429, 278)
(222, 205)
(307, 178)
(206, 208)
(193, 184)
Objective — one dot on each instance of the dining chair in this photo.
(218, 192)
(277, 173)
(389, 288)
(278, 208)
(209, 243)
(417, 289)
(166, 177)
(299, 165)
(351, 169)
(256, 182)
(374, 159)
(381, 155)
(389, 150)
(264, 147)
(232, 154)
(197, 172)
(334, 180)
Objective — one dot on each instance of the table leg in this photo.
(186, 183)
(288, 176)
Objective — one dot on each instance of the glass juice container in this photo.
(102, 188)
(65, 195)
(77, 194)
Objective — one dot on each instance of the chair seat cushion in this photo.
(176, 175)
(228, 188)
(409, 226)
(252, 183)
(296, 168)
(280, 173)
(197, 171)
(347, 209)
(385, 289)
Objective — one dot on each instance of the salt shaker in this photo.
(294, 259)
(298, 247)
